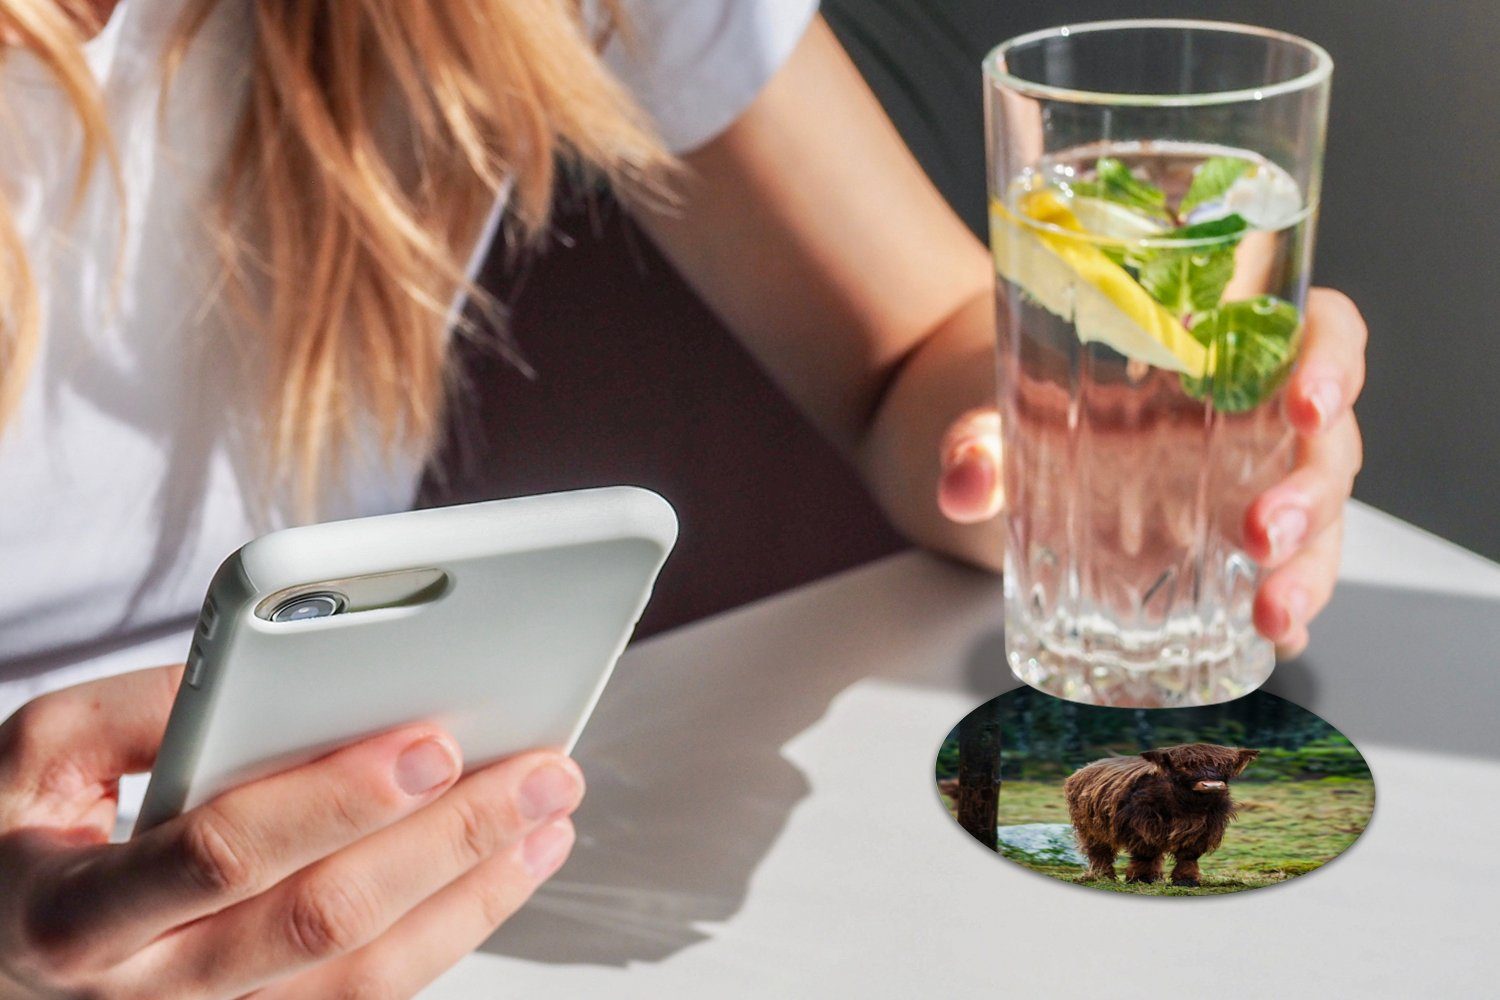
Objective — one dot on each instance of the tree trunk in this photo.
(979, 772)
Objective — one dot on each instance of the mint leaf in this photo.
(1215, 229)
(1250, 349)
(1114, 182)
(1211, 180)
(1192, 279)
(1185, 284)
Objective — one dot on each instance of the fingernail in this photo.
(424, 765)
(971, 470)
(972, 479)
(1286, 530)
(969, 453)
(1297, 603)
(549, 790)
(1325, 396)
(545, 850)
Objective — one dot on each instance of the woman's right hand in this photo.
(371, 869)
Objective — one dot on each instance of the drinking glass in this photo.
(1153, 189)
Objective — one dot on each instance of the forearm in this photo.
(950, 372)
(814, 234)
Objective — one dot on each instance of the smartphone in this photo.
(499, 621)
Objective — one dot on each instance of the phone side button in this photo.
(194, 672)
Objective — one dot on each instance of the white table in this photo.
(762, 821)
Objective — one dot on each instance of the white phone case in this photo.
(538, 597)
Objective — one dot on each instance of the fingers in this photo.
(345, 901)
(1294, 594)
(101, 729)
(442, 929)
(1331, 372)
(1294, 644)
(1304, 504)
(1295, 528)
(119, 897)
(970, 488)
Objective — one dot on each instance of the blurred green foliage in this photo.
(1045, 738)
(947, 761)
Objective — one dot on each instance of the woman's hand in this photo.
(1296, 528)
(375, 865)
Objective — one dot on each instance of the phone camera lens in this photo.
(305, 606)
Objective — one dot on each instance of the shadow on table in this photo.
(1404, 668)
(688, 785)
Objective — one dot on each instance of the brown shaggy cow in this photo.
(1174, 800)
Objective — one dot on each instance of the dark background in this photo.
(636, 381)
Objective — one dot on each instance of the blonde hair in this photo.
(345, 256)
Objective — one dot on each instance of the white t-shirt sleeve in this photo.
(695, 65)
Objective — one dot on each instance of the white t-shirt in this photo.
(124, 480)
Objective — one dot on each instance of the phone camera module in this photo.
(306, 606)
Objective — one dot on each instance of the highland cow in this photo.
(1174, 800)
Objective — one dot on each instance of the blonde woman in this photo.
(231, 239)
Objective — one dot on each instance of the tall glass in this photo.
(1153, 188)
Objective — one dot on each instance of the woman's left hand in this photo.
(1296, 528)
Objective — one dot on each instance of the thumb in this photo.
(970, 487)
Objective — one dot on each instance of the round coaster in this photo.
(1158, 802)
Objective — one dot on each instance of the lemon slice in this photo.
(1106, 218)
(1075, 280)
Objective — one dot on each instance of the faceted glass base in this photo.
(1166, 679)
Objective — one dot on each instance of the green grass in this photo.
(1284, 829)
